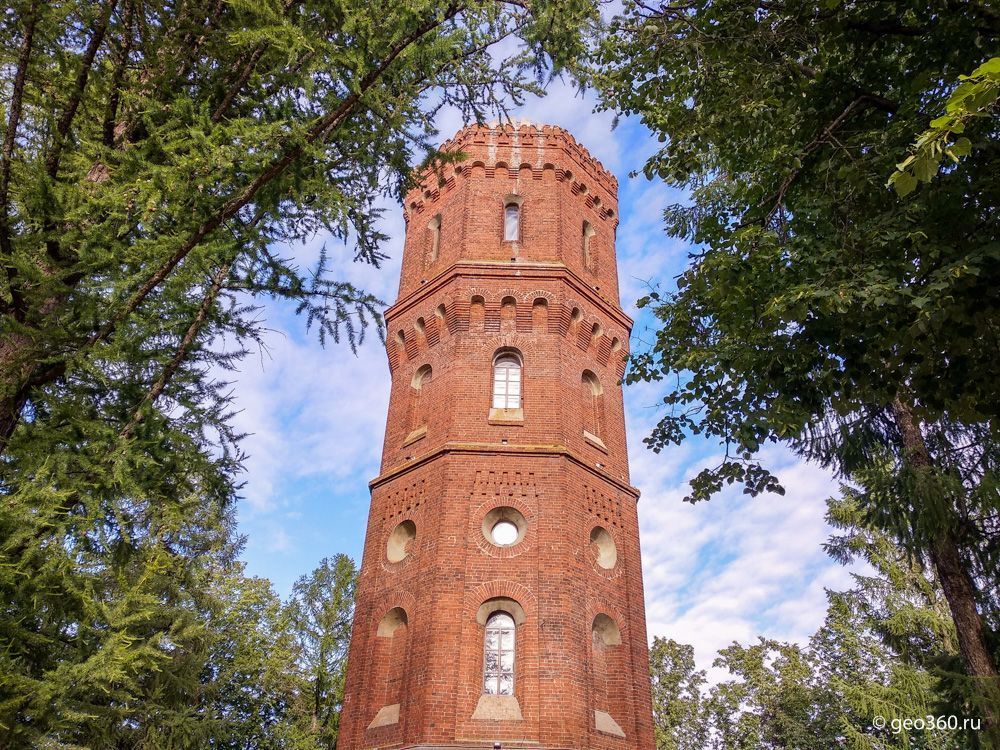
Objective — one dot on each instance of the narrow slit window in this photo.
(511, 222)
(498, 655)
(592, 407)
(507, 382)
(434, 226)
(589, 262)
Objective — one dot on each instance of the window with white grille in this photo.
(498, 653)
(507, 382)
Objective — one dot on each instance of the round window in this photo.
(603, 545)
(504, 533)
(504, 526)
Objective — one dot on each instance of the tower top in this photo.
(530, 134)
(521, 194)
(516, 149)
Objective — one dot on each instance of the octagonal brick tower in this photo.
(506, 347)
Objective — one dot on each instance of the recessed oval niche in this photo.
(397, 548)
(604, 544)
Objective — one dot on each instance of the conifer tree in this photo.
(275, 676)
(251, 682)
(154, 162)
(885, 654)
(319, 616)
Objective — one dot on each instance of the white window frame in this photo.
(507, 381)
(512, 221)
(499, 643)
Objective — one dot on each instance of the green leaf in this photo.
(924, 169)
(903, 183)
(962, 147)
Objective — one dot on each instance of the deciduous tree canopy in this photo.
(821, 308)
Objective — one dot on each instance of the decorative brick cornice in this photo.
(540, 451)
(525, 270)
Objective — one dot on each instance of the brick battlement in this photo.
(531, 134)
(526, 151)
(568, 207)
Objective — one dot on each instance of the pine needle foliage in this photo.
(156, 162)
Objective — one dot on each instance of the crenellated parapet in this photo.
(566, 204)
(525, 150)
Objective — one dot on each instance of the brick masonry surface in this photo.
(557, 464)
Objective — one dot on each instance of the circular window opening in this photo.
(504, 526)
(504, 533)
(398, 546)
(602, 542)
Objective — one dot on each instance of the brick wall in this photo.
(560, 463)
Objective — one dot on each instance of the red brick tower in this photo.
(500, 596)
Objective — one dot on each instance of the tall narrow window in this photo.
(507, 382)
(389, 668)
(498, 653)
(477, 313)
(512, 221)
(434, 226)
(508, 314)
(540, 315)
(589, 261)
(418, 401)
(591, 406)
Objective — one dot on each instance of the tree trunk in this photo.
(957, 585)
(15, 372)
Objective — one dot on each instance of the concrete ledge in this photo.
(498, 708)
(595, 441)
(415, 435)
(386, 716)
(604, 723)
(506, 416)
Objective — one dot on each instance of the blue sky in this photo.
(721, 571)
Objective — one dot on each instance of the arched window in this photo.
(477, 313)
(540, 315)
(610, 675)
(508, 314)
(498, 655)
(507, 381)
(421, 377)
(389, 668)
(512, 221)
(419, 403)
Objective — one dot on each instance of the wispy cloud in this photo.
(736, 566)
(717, 572)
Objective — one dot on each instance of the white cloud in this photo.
(716, 572)
(312, 411)
(278, 540)
(736, 566)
